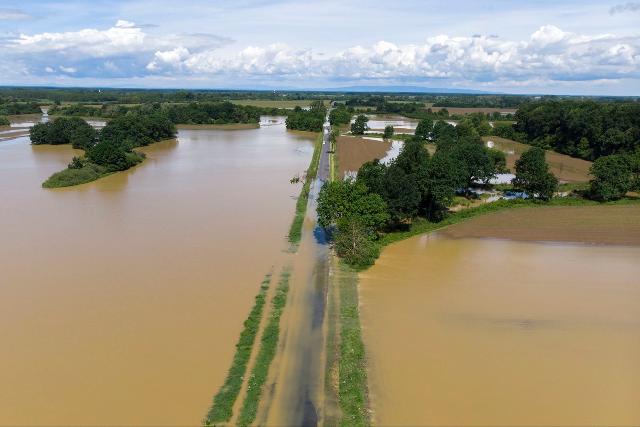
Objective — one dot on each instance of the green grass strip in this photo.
(352, 390)
(268, 346)
(223, 402)
(295, 231)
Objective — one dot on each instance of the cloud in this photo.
(548, 53)
(626, 7)
(126, 50)
(12, 15)
(69, 70)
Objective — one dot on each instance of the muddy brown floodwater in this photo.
(495, 332)
(121, 300)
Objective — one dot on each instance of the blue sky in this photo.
(560, 47)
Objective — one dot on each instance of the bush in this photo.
(4, 121)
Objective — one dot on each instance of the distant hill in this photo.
(405, 89)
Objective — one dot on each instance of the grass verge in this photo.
(221, 409)
(295, 231)
(268, 346)
(353, 397)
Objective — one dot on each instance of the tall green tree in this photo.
(424, 129)
(612, 177)
(372, 175)
(359, 126)
(533, 175)
(474, 162)
(441, 183)
(402, 194)
(388, 132)
(340, 200)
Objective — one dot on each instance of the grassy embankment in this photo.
(223, 401)
(268, 346)
(295, 231)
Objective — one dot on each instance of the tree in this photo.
(441, 183)
(474, 162)
(353, 244)
(388, 132)
(611, 177)
(360, 125)
(634, 165)
(499, 160)
(401, 193)
(533, 176)
(339, 200)
(372, 175)
(424, 129)
(109, 154)
(444, 134)
(340, 115)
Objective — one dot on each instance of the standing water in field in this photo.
(493, 332)
(121, 300)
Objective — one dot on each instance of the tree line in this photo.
(584, 129)
(186, 113)
(310, 120)
(15, 108)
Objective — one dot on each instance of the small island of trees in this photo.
(106, 151)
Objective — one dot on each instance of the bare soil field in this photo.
(565, 168)
(353, 152)
(616, 225)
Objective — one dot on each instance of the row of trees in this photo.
(186, 113)
(15, 108)
(310, 120)
(584, 129)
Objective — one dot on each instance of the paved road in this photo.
(323, 166)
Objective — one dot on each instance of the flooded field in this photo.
(121, 300)
(495, 332)
(401, 124)
(352, 152)
(565, 168)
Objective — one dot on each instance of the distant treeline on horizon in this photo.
(46, 95)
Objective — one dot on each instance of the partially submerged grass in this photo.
(352, 371)
(69, 177)
(295, 231)
(268, 346)
(223, 401)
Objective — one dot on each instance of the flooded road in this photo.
(494, 332)
(121, 300)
